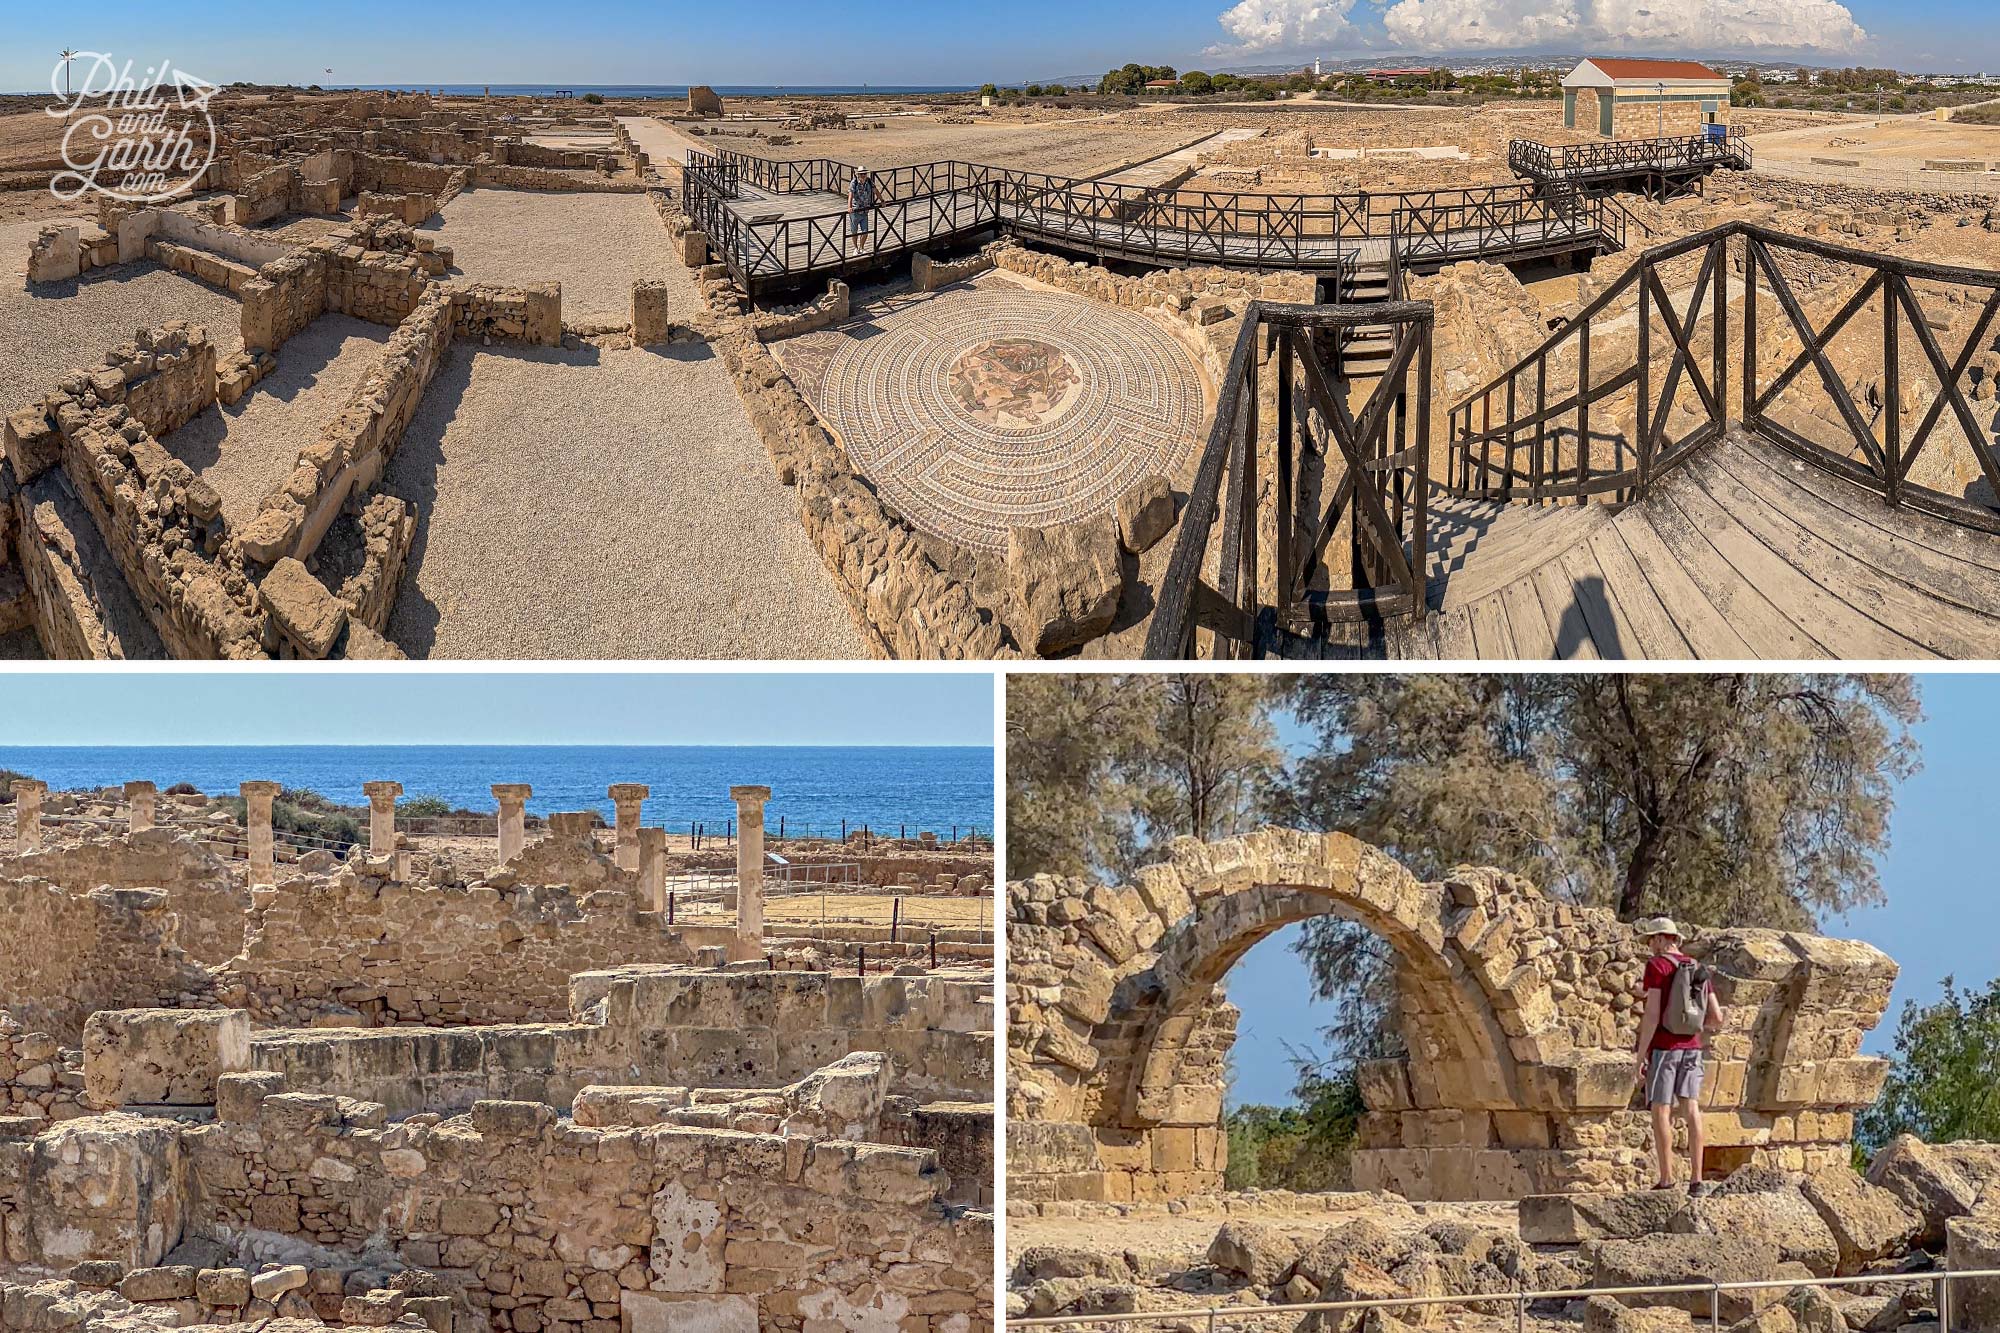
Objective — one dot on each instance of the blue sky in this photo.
(444, 708)
(1942, 916)
(950, 42)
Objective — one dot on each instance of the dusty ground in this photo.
(596, 245)
(1060, 147)
(248, 450)
(602, 504)
(58, 327)
(1891, 153)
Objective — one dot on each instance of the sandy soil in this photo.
(53, 328)
(602, 504)
(1891, 153)
(248, 450)
(1085, 148)
(596, 245)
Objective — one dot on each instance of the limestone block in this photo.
(1972, 1244)
(1258, 1253)
(162, 1056)
(1926, 1183)
(1867, 1222)
(1675, 1260)
(1781, 1216)
(1145, 513)
(56, 255)
(32, 443)
(158, 1284)
(1066, 583)
(650, 323)
(222, 1286)
(659, 1312)
(307, 616)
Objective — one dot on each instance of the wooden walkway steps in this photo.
(1744, 552)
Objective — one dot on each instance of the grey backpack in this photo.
(1686, 1001)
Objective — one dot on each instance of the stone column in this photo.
(750, 866)
(513, 798)
(625, 799)
(257, 798)
(653, 869)
(382, 816)
(28, 794)
(144, 798)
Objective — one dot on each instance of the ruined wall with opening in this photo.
(1518, 1013)
(102, 948)
(207, 901)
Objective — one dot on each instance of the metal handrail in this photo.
(1944, 1277)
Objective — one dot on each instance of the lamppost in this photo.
(1662, 87)
(67, 56)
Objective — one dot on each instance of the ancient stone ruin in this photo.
(1518, 1017)
(533, 1083)
(1501, 1171)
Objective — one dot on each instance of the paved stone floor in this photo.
(993, 405)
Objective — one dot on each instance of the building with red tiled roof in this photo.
(1632, 98)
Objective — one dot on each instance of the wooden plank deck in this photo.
(1744, 552)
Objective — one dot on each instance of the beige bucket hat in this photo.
(1657, 925)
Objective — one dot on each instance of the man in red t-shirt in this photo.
(1669, 1063)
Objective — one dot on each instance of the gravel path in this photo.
(53, 328)
(602, 504)
(595, 245)
(248, 450)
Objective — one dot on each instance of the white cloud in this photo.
(1652, 25)
(1286, 25)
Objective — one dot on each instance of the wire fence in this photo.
(1214, 1318)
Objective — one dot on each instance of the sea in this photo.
(947, 790)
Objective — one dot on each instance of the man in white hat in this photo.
(1680, 1007)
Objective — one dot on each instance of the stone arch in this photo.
(1460, 1023)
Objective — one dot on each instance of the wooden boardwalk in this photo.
(1744, 552)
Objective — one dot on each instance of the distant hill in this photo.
(1483, 60)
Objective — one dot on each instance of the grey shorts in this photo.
(1674, 1076)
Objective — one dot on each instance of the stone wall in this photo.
(40, 1080)
(205, 896)
(101, 949)
(355, 447)
(1519, 1014)
(527, 1223)
(661, 1026)
(484, 954)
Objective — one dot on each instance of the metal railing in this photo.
(1529, 434)
(1520, 1300)
(1669, 153)
(1382, 491)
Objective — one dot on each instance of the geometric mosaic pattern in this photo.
(989, 406)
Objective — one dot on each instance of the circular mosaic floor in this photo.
(992, 406)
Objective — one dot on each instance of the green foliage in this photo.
(1718, 799)
(595, 99)
(1308, 1146)
(1104, 768)
(1944, 1082)
(303, 811)
(8, 777)
(427, 807)
(988, 90)
(1197, 83)
(1131, 79)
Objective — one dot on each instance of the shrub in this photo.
(595, 99)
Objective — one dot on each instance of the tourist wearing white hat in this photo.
(1680, 1007)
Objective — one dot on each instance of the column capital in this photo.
(744, 795)
(140, 787)
(31, 786)
(259, 790)
(380, 791)
(628, 791)
(512, 792)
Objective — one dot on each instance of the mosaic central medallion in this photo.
(1015, 383)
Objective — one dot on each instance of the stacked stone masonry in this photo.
(1519, 1015)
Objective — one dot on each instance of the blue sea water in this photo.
(812, 788)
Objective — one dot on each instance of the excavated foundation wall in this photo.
(206, 899)
(1519, 1014)
(665, 1026)
(102, 948)
(530, 1223)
